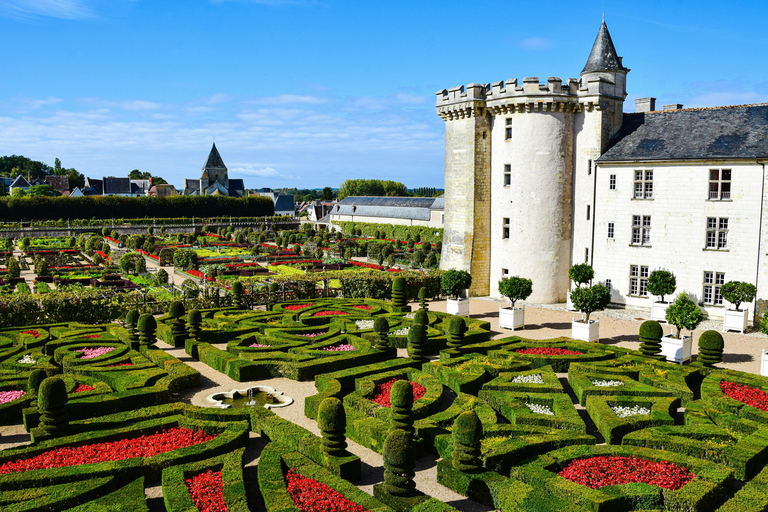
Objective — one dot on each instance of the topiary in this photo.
(399, 295)
(456, 329)
(381, 327)
(581, 273)
(237, 294)
(401, 399)
(131, 319)
(36, 377)
(454, 282)
(417, 339)
(52, 402)
(684, 314)
(195, 320)
(650, 339)
(515, 288)
(661, 283)
(591, 299)
(176, 311)
(332, 422)
(147, 326)
(711, 345)
(421, 317)
(423, 299)
(737, 292)
(399, 464)
(467, 432)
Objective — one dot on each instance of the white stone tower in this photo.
(519, 184)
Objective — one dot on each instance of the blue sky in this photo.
(308, 93)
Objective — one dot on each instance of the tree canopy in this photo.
(363, 187)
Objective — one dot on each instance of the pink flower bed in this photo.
(10, 396)
(90, 353)
(754, 397)
(596, 472)
(296, 307)
(343, 347)
(258, 345)
(548, 351)
(144, 446)
(312, 496)
(207, 491)
(331, 313)
(381, 394)
(83, 387)
(312, 334)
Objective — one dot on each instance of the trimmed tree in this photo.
(711, 345)
(381, 328)
(650, 339)
(581, 274)
(399, 464)
(176, 313)
(591, 299)
(454, 282)
(421, 317)
(515, 288)
(661, 283)
(399, 292)
(238, 295)
(417, 339)
(401, 399)
(147, 327)
(195, 321)
(423, 299)
(52, 402)
(456, 330)
(684, 314)
(737, 292)
(131, 320)
(467, 433)
(332, 422)
(36, 377)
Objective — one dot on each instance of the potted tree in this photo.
(455, 283)
(683, 314)
(588, 300)
(737, 292)
(581, 274)
(514, 288)
(661, 283)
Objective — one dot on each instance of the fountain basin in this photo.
(265, 396)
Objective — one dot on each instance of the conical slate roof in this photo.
(214, 160)
(603, 56)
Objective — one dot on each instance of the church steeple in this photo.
(214, 161)
(603, 56)
(214, 170)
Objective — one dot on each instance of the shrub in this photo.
(14, 270)
(190, 289)
(237, 294)
(711, 346)
(421, 317)
(132, 263)
(161, 277)
(185, 259)
(399, 463)
(399, 295)
(381, 327)
(195, 320)
(737, 292)
(417, 339)
(591, 299)
(581, 273)
(650, 338)
(661, 283)
(36, 377)
(52, 402)
(423, 298)
(401, 400)
(147, 327)
(456, 330)
(684, 314)
(332, 422)
(515, 288)
(454, 282)
(467, 433)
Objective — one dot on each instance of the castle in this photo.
(540, 176)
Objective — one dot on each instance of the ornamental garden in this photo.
(100, 379)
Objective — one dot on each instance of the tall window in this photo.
(644, 184)
(589, 167)
(719, 184)
(711, 291)
(609, 286)
(717, 233)
(638, 280)
(641, 229)
(589, 208)
(507, 175)
(508, 129)
(611, 230)
(612, 182)
(505, 228)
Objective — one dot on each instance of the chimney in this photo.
(673, 106)
(645, 104)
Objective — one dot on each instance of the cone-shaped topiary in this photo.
(650, 339)
(711, 345)
(417, 339)
(399, 463)
(177, 312)
(456, 330)
(131, 319)
(237, 294)
(195, 321)
(381, 327)
(36, 377)
(467, 433)
(423, 298)
(147, 327)
(399, 295)
(401, 399)
(52, 402)
(421, 317)
(332, 422)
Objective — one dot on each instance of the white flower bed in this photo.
(540, 409)
(364, 324)
(26, 359)
(411, 315)
(400, 332)
(607, 383)
(528, 379)
(626, 411)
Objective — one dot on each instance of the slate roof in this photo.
(20, 182)
(284, 204)
(93, 187)
(734, 132)
(603, 56)
(400, 202)
(439, 203)
(140, 187)
(59, 183)
(214, 160)
(236, 187)
(114, 185)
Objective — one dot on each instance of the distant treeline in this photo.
(105, 207)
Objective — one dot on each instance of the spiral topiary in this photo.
(711, 345)
(399, 464)
(423, 299)
(147, 327)
(131, 319)
(52, 402)
(401, 399)
(195, 321)
(176, 311)
(36, 377)
(381, 327)
(456, 329)
(332, 422)
(421, 317)
(650, 339)
(237, 294)
(467, 433)
(417, 339)
(399, 296)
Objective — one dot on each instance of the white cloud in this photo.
(288, 99)
(536, 43)
(64, 9)
(264, 172)
(721, 98)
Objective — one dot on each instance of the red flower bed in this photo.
(102, 254)
(365, 265)
(119, 364)
(312, 496)
(367, 308)
(147, 254)
(116, 242)
(381, 394)
(330, 313)
(207, 491)
(294, 262)
(32, 333)
(754, 397)
(83, 387)
(92, 336)
(596, 472)
(198, 274)
(144, 446)
(296, 307)
(548, 351)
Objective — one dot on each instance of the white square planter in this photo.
(764, 364)
(583, 331)
(512, 318)
(458, 307)
(659, 311)
(568, 303)
(677, 350)
(735, 320)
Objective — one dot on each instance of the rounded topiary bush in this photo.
(237, 294)
(399, 298)
(132, 318)
(417, 339)
(467, 433)
(399, 463)
(651, 329)
(421, 317)
(147, 326)
(456, 329)
(176, 309)
(381, 327)
(178, 326)
(332, 422)
(401, 399)
(195, 320)
(711, 345)
(423, 296)
(650, 339)
(52, 402)
(36, 377)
